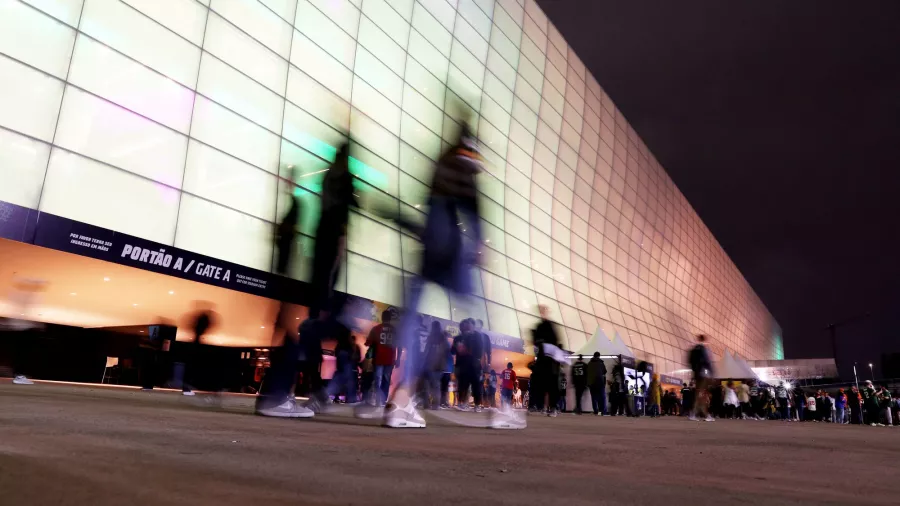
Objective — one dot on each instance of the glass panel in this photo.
(29, 100)
(234, 135)
(23, 162)
(35, 38)
(230, 88)
(210, 229)
(88, 191)
(216, 176)
(373, 280)
(120, 79)
(103, 131)
(139, 37)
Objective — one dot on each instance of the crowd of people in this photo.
(441, 371)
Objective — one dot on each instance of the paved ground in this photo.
(65, 445)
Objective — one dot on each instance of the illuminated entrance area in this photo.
(116, 305)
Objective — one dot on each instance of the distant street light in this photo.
(871, 373)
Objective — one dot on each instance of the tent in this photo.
(729, 368)
(620, 348)
(597, 343)
(748, 371)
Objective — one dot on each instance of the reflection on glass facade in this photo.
(191, 122)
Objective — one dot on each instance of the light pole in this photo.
(871, 372)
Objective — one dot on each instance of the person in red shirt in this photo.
(382, 338)
(508, 379)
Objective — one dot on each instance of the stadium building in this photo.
(148, 148)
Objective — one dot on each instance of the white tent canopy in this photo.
(728, 367)
(619, 346)
(597, 343)
(748, 371)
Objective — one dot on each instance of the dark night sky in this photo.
(780, 122)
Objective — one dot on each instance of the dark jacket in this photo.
(474, 345)
(544, 333)
(699, 359)
(596, 372)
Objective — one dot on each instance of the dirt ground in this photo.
(76, 445)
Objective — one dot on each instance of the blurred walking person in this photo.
(331, 232)
(276, 396)
(702, 369)
(447, 257)
(546, 367)
(743, 393)
(202, 321)
(24, 295)
(437, 353)
(596, 373)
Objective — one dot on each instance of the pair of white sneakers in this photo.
(394, 415)
(407, 416)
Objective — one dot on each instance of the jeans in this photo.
(468, 375)
(654, 410)
(491, 396)
(278, 384)
(445, 388)
(383, 375)
(457, 281)
(345, 378)
(579, 393)
(598, 399)
(506, 397)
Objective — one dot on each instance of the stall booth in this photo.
(621, 367)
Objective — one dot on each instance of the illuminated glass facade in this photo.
(190, 122)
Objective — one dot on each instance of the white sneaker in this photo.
(289, 409)
(406, 417)
(710, 419)
(22, 380)
(188, 393)
(553, 414)
(693, 418)
(478, 409)
(367, 411)
(507, 419)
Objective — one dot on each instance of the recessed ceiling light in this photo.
(297, 318)
(134, 305)
(141, 331)
(105, 279)
(262, 327)
(73, 294)
(171, 292)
